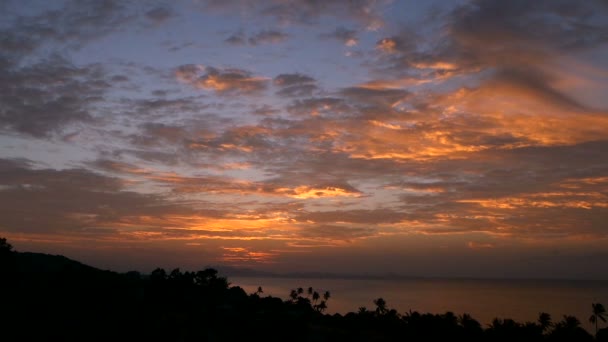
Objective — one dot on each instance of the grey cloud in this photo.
(76, 23)
(302, 90)
(534, 192)
(164, 157)
(268, 37)
(406, 42)
(381, 97)
(295, 85)
(163, 107)
(492, 34)
(165, 132)
(335, 232)
(227, 81)
(52, 201)
(237, 38)
(511, 172)
(346, 36)
(366, 12)
(287, 80)
(236, 140)
(331, 106)
(113, 166)
(537, 83)
(494, 22)
(262, 37)
(119, 78)
(306, 11)
(159, 14)
(357, 216)
(43, 98)
(265, 110)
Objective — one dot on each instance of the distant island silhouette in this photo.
(53, 298)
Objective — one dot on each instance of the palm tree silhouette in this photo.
(599, 313)
(326, 295)
(544, 320)
(380, 306)
(293, 295)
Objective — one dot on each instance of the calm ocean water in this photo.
(521, 300)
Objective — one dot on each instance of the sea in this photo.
(483, 299)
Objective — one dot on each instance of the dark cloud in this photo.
(335, 233)
(160, 108)
(287, 80)
(330, 106)
(44, 97)
(262, 37)
(520, 192)
(236, 140)
(265, 110)
(302, 90)
(73, 24)
(379, 97)
(159, 14)
(504, 150)
(119, 78)
(295, 85)
(537, 83)
(222, 81)
(503, 26)
(55, 201)
(366, 12)
(344, 35)
(268, 37)
(357, 216)
(165, 157)
(237, 38)
(489, 34)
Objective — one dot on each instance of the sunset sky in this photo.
(423, 138)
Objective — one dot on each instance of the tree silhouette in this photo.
(6, 255)
(158, 274)
(569, 329)
(195, 306)
(544, 321)
(599, 313)
(5, 246)
(380, 306)
(469, 323)
(321, 306)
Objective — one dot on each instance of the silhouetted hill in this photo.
(26, 262)
(53, 298)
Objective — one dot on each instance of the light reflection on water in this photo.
(521, 300)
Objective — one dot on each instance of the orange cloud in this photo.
(387, 45)
(222, 81)
(242, 255)
(480, 245)
(306, 192)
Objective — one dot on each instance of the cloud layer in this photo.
(270, 133)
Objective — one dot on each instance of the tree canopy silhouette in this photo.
(53, 298)
(599, 314)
